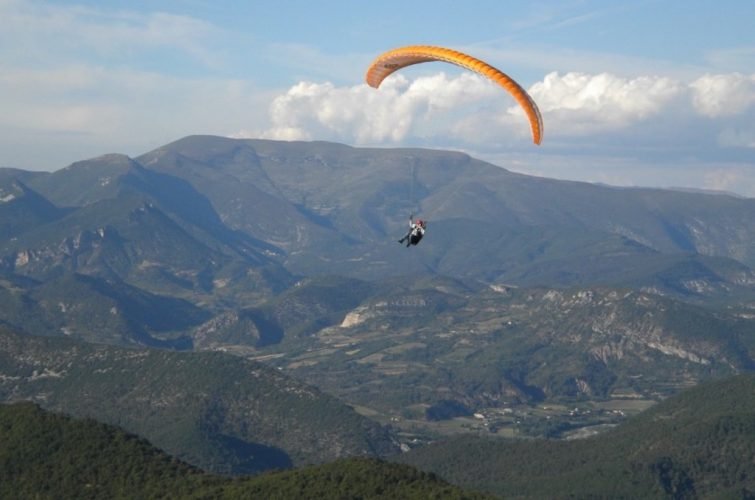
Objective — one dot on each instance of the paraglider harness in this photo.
(416, 232)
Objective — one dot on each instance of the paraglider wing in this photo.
(395, 59)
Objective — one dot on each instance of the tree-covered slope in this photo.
(45, 455)
(213, 410)
(699, 444)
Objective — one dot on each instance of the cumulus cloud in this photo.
(468, 109)
(361, 114)
(583, 103)
(723, 95)
(633, 129)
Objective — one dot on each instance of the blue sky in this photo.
(644, 93)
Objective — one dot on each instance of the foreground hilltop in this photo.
(45, 455)
(216, 411)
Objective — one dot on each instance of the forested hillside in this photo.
(44, 455)
(699, 444)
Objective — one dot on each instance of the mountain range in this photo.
(228, 224)
(526, 292)
(323, 208)
(215, 243)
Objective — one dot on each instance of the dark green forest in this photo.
(46, 455)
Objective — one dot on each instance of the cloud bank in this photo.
(468, 108)
(619, 130)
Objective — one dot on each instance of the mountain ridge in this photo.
(324, 208)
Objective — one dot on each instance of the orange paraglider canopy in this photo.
(395, 59)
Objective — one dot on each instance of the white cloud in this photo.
(469, 109)
(362, 115)
(723, 95)
(583, 103)
(647, 130)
